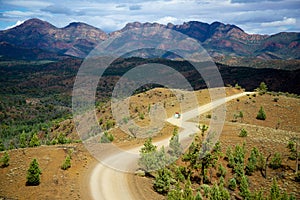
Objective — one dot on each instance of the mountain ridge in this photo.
(222, 41)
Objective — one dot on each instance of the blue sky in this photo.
(256, 16)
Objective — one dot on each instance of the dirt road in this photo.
(107, 183)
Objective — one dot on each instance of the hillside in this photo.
(269, 136)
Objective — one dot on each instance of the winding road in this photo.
(107, 183)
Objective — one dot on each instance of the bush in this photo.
(5, 159)
(2, 148)
(221, 171)
(252, 161)
(198, 196)
(243, 133)
(261, 115)
(232, 184)
(244, 190)
(67, 163)
(33, 173)
(23, 142)
(276, 161)
(262, 88)
(274, 191)
(162, 181)
(174, 144)
(34, 142)
(62, 139)
(106, 138)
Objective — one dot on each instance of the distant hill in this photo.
(76, 39)
(226, 43)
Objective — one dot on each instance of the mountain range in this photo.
(36, 39)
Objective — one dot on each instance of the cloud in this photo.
(285, 22)
(57, 10)
(17, 24)
(135, 7)
(26, 3)
(251, 1)
(168, 19)
(259, 16)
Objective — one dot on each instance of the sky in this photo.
(253, 16)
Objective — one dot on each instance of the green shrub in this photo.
(162, 181)
(261, 115)
(2, 148)
(34, 142)
(232, 184)
(244, 188)
(67, 163)
(274, 191)
(198, 196)
(5, 159)
(243, 133)
(221, 171)
(276, 161)
(33, 173)
(106, 138)
(22, 138)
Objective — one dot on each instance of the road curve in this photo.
(107, 183)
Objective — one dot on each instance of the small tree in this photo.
(232, 184)
(274, 191)
(33, 173)
(252, 161)
(261, 115)
(187, 191)
(243, 133)
(23, 142)
(221, 171)
(67, 163)
(106, 137)
(276, 161)
(148, 146)
(2, 148)
(244, 188)
(262, 88)
(34, 142)
(176, 149)
(198, 196)
(162, 181)
(5, 159)
(203, 128)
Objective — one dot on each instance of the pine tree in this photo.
(187, 191)
(34, 142)
(232, 184)
(5, 159)
(261, 115)
(198, 196)
(276, 161)
(176, 149)
(262, 88)
(274, 191)
(221, 171)
(243, 133)
(148, 146)
(67, 163)
(23, 142)
(175, 194)
(163, 181)
(244, 188)
(252, 161)
(33, 173)
(2, 148)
